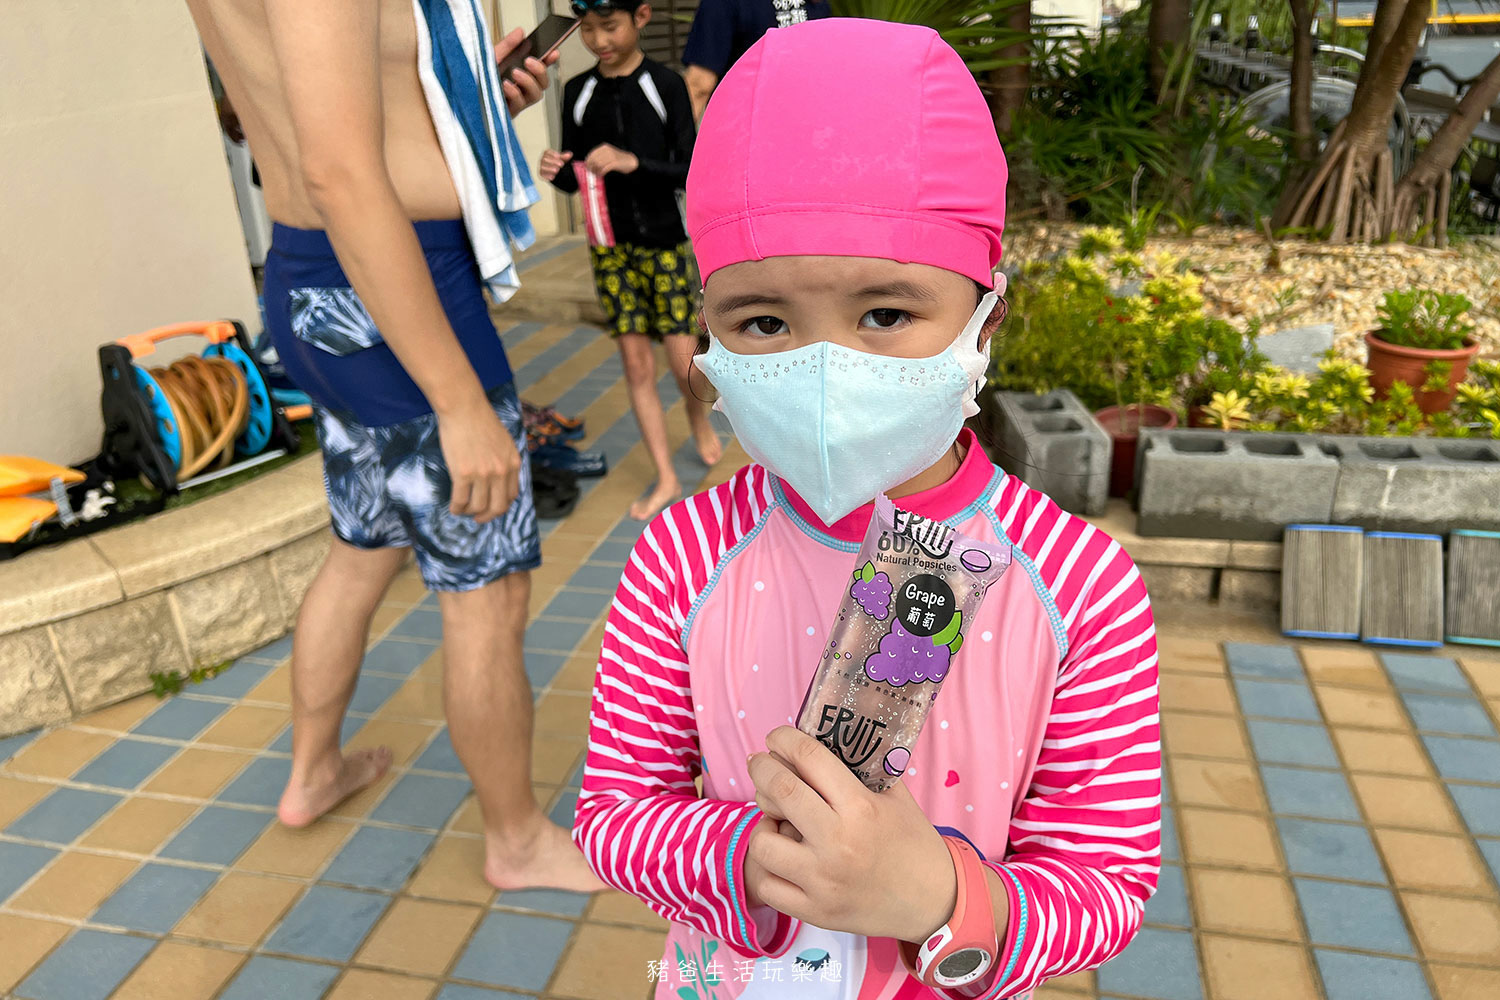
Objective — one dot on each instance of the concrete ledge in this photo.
(85, 624)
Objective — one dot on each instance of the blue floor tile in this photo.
(18, 862)
(562, 813)
(628, 529)
(235, 681)
(440, 755)
(372, 692)
(1479, 806)
(259, 784)
(596, 576)
(1489, 848)
(63, 815)
(422, 800)
(1425, 673)
(1464, 759)
(180, 718)
(1296, 792)
(1254, 660)
(1277, 700)
(454, 991)
(612, 552)
(351, 725)
(87, 966)
(376, 858)
(1291, 743)
(1159, 964)
(420, 624)
(12, 745)
(126, 764)
(155, 898)
(1437, 713)
(1364, 977)
(555, 902)
(1169, 848)
(277, 651)
(541, 668)
(584, 604)
(576, 779)
(266, 978)
(558, 636)
(1334, 850)
(392, 656)
(1170, 903)
(328, 923)
(1353, 916)
(217, 835)
(509, 949)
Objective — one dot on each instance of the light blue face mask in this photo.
(842, 426)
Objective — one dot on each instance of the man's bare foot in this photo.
(550, 861)
(303, 802)
(710, 448)
(662, 496)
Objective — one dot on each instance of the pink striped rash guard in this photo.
(1043, 750)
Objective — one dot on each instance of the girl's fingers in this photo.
(822, 772)
(783, 857)
(786, 796)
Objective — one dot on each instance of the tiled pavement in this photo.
(1333, 827)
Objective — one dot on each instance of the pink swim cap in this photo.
(853, 138)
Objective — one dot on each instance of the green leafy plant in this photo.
(1425, 319)
(1227, 411)
(169, 682)
(977, 29)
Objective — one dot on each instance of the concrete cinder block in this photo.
(1179, 583)
(1051, 442)
(1250, 589)
(1209, 484)
(1416, 484)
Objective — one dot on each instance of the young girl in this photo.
(846, 203)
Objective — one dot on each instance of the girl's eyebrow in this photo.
(747, 299)
(896, 290)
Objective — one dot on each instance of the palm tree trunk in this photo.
(1167, 30)
(1009, 84)
(1304, 145)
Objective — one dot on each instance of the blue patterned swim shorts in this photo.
(388, 487)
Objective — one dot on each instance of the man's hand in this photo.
(840, 856)
(552, 164)
(606, 158)
(525, 85)
(482, 459)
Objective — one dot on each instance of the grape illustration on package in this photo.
(877, 682)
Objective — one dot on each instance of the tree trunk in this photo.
(1009, 84)
(1326, 196)
(1304, 144)
(1433, 169)
(1167, 30)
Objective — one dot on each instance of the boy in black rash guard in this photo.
(629, 121)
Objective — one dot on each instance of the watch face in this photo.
(962, 967)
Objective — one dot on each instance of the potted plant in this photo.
(1421, 331)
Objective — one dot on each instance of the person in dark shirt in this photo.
(723, 30)
(628, 121)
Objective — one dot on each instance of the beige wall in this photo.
(116, 210)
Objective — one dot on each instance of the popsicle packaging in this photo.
(903, 619)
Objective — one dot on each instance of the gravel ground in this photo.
(1333, 284)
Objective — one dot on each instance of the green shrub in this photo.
(1425, 319)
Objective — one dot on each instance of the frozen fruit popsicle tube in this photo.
(916, 587)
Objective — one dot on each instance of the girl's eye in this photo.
(883, 319)
(765, 326)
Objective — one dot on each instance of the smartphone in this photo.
(548, 35)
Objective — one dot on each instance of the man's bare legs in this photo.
(680, 350)
(327, 649)
(488, 701)
(638, 355)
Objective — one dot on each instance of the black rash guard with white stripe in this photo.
(646, 113)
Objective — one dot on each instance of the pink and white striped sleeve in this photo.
(1085, 843)
(640, 820)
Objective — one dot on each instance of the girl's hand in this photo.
(552, 164)
(865, 863)
(606, 158)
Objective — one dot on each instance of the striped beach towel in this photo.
(456, 63)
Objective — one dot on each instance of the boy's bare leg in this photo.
(488, 702)
(638, 354)
(680, 350)
(327, 649)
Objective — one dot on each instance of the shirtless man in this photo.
(373, 301)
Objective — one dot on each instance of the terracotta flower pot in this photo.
(1124, 426)
(1392, 363)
